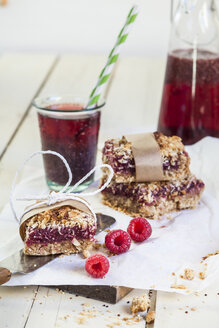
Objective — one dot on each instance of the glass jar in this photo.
(190, 100)
(71, 130)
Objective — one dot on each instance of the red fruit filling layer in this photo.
(139, 192)
(52, 235)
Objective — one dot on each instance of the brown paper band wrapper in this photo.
(68, 202)
(147, 156)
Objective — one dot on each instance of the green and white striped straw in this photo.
(112, 58)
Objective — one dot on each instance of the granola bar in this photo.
(61, 230)
(118, 154)
(153, 199)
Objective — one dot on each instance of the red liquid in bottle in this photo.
(190, 102)
(75, 139)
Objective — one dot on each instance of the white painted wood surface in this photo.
(133, 100)
(21, 75)
(200, 310)
(72, 74)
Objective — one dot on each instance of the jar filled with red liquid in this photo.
(190, 100)
(70, 129)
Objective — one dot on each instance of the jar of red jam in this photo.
(70, 129)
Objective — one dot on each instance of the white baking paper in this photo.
(157, 263)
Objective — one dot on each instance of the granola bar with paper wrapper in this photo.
(67, 227)
(60, 222)
(151, 175)
(118, 153)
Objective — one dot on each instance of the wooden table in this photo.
(133, 98)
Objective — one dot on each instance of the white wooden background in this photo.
(133, 100)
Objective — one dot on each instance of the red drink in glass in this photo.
(190, 101)
(73, 132)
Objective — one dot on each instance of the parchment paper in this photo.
(175, 244)
(147, 156)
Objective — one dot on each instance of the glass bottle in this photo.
(190, 100)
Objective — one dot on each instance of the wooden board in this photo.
(109, 294)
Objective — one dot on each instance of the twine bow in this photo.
(54, 197)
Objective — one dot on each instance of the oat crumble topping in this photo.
(59, 217)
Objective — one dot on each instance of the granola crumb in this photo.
(137, 319)
(211, 254)
(173, 274)
(189, 274)
(125, 319)
(85, 253)
(86, 304)
(107, 230)
(81, 320)
(61, 256)
(193, 309)
(202, 275)
(97, 246)
(60, 291)
(178, 286)
(140, 304)
(150, 317)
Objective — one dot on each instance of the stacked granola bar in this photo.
(180, 190)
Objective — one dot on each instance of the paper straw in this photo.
(112, 58)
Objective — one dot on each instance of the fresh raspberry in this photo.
(97, 265)
(118, 241)
(139, 229)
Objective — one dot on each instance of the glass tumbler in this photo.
(70, 129)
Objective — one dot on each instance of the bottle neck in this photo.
(195, 23)
(191, 6)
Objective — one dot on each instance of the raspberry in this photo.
(97, 265)
(118, 241)
(139, 229)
